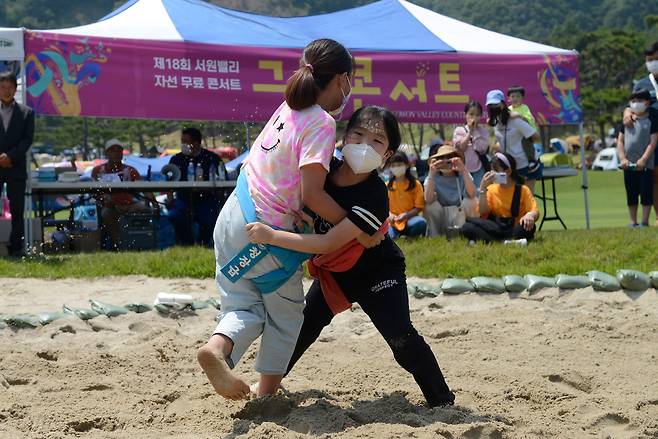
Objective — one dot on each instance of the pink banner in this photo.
(80, 76)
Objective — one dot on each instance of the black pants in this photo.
(16, 195)
(388, 310)
(639, 184)
(488, 231)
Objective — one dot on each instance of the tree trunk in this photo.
(85, 139)
(411, 135)
(602, 131)
(142, 145)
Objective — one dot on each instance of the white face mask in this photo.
(638, 107)
(362, 158)
(398, 170)
(652, 67)
(339, 111)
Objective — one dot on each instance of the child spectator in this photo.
(405, 200)
(450, 195)
(516, 97)
(472, 139)
(636, 145)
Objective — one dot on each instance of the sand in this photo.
(552, 364)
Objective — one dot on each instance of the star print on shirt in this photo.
(280, 127)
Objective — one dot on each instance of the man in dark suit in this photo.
(16, 135)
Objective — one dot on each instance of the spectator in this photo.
(449, 191)
(116, 205)
(201, 207)
(510, 132)
(16, 136)
(516, 96)
(635, 147)
(472, 140)
(649, 82)
(422, 166)
(405, 200)
(507, 207)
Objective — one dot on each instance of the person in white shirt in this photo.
(510, 132)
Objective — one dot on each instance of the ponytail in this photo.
(322, 60)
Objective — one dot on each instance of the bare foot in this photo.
(254, 391)
(219, 374)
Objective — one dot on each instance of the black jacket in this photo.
(16, 141)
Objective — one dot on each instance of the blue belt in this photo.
(249, 256)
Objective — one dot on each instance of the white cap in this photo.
(113, 142)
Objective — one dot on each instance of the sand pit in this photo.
(553, 364)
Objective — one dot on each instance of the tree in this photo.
(609, 62)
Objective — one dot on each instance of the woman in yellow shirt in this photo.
(502, 216)
(405, 200)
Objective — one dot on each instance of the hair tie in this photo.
(310, 67)
(500, 156)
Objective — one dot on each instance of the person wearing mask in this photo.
(510, 132)
(16, 136)
(472, 139)
(508, 210)
(260, 287)
(199, 207)
(636, 146)
(450, 194)
(116, 205)
(650, 83)
(405, 200)
(345, 271)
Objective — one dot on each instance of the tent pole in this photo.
(583, 162)
(247, 142)
(27, 211)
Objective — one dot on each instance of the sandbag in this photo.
(164, 309)
(46, 318)
(420, 291)
(568, 282)
(138, 307)
(536, 283)
(214, 302)
(603, 281)
(23, 321)
(485, 284)
(633, 280)
(456, 286)
(81, 313)
(654, 279)
(514, 283)
(107, 309)
(200, 304)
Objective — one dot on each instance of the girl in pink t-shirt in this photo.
(285, 171)
(472, 139)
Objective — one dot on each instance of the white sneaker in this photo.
(521, 242)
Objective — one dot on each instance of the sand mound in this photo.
(551, 364)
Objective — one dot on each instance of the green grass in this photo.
(607, 201)
(554, 252)
(608, 247)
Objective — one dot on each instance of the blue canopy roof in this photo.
(385, 25)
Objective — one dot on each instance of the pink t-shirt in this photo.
(480, 145)
(289, 141)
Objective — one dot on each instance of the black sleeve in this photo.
(371, 210)
(653, 117)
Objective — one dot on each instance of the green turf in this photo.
(607, 201)
(554, 252)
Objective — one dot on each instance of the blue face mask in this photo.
(339, 111)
